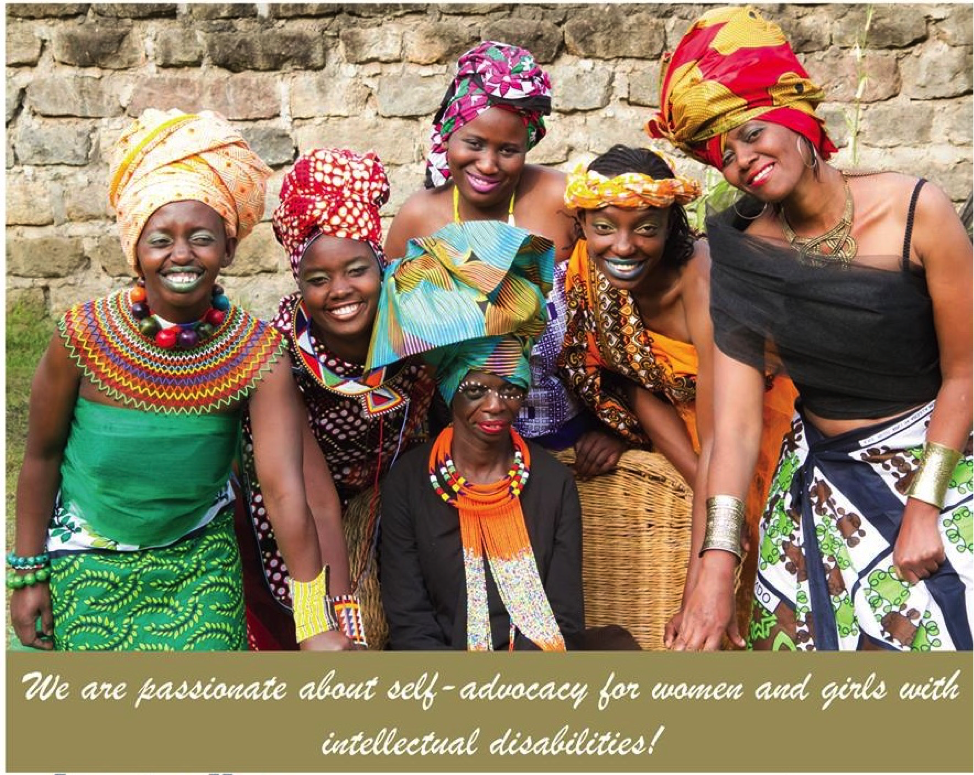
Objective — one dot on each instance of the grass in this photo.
(28, 332)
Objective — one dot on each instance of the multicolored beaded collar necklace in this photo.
(105, 338)
(376, 397)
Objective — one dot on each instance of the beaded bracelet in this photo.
(933, 476)
(17, 581)
(312, 611)
(31, 562)
(348, 611)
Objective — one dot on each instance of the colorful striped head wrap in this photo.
(591, 190)
(471, 297)
(174, 156)
(732, 66)
(331, 191)
(491, 75)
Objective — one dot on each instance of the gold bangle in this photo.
(312, 610)
(725, 521)
(932, 477)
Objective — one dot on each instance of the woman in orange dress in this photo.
(639, 346)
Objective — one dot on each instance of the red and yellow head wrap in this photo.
(591, 190)
(174, 156)
(331, 191)
(732, 66)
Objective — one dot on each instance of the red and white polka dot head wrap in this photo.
(331, 191)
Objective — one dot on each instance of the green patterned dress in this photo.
(142, 545)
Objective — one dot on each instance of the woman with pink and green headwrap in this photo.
(491, 116)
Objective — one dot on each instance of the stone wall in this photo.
(370, 76)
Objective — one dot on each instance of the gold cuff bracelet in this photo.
(933, 476)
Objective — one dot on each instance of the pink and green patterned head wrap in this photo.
(492, 75)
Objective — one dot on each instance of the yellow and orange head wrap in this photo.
(732, 66)
(173, 156)
(591, 190)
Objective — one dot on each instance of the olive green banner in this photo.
(431, 712)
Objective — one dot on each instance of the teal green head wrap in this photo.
(470, 297)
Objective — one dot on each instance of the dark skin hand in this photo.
(597, 452)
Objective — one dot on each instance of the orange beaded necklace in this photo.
(492, 522)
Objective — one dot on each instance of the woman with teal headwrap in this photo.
(508, 572)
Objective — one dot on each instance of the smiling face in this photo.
(762, 158)
(627, 245)
(180, 252)
(340, 281)
(485, 406)
(486, 157)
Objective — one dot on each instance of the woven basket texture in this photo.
(636, 543)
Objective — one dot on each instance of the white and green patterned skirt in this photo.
(184, 597)
(825, 572)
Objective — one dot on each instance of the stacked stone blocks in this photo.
(370, 76)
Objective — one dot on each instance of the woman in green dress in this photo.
(124, 507)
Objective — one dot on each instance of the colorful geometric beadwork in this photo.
(492, 528)
(102, 336)
(348, 612)
(376, 396)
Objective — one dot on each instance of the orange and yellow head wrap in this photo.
(732, 66)
(173, 156)
(590, 190)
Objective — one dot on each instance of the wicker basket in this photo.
(355, 523)
(636, 542)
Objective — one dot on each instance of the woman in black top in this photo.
(481, 531)
(859, 285)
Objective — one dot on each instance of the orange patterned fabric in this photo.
(606, 334)
(732, 66)
(174, 156)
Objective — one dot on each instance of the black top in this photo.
(421, 556)
(858, 341)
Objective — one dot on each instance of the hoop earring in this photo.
(749, 217)
(798, 145)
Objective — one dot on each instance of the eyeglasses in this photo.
(477, 391)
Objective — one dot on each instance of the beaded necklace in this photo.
(376, 397)
(482, 497)
(104, 337)
(492, 523)
(185, 336)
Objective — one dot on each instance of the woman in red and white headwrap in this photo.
(358, 423)
(859, 285)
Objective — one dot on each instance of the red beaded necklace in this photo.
(184, 336)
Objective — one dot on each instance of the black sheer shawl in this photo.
(858, 340)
